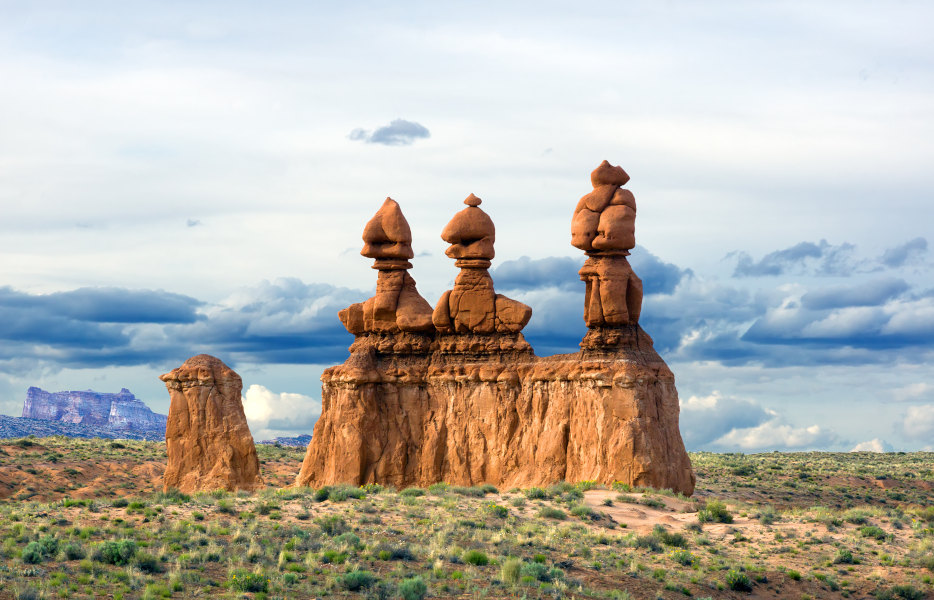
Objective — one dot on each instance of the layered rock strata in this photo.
(120, 411)
(473, 404)
(207, 438)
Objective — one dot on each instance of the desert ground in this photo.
(88, 519)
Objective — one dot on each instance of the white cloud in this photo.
(874, 445)
(919, 422)
(776, 435)
(914, 391)
(706, 418)
(271, 414)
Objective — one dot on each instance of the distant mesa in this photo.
(207, 439)
(299, 441)
(456, 394)
(120, 412)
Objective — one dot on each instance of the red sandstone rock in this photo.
(207, 437)
(397, 305)
(472, 403)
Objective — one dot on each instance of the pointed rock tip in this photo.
(472, 200)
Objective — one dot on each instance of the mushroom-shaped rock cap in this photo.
(607, 174)
(469, 225)
(202, 369)
(387, 234)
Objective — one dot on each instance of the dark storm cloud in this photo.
(819, 259)
(105, 305)
(399, 132)
(905, 253)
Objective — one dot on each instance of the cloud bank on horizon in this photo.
(194, 178)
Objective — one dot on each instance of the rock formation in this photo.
(121, 411)
(207, 438)
(604, 226)
(473, 404)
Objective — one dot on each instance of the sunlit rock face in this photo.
(466, 401)
(120, 411)
(208, 441)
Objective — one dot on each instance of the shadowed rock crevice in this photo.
(466, 400)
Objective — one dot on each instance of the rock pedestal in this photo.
(207, 438)
(468, 402)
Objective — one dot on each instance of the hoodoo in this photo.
(462, 398)
(207, 439)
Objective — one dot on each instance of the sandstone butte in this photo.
(456, 394)
(207, 438)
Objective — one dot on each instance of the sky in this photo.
(188, 177)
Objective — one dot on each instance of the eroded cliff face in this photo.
(467, 401)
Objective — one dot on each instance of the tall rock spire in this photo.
(604, 226)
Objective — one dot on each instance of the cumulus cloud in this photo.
(869, 293)
(907, 253)
(775, 435)
(873, 445)
(708, 418)
(819, 259)
(271, 414)
(918, 422)
(399, 132)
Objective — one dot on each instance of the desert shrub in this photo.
(489, 488)
(668, 538)
(32, 554)
(550, 512)
(371, 488)
(714, 511)
(767, 515)
(118, 553)
(476, 558)
(651, 502)
(342, 492)
(225, 507)
(332, 525)
(619, 486)
(682, 557)
(356, 580)
(856, 516)
(540, 572)
(438, 489)
(646, 542)
(794, 575)
(738, 581)
(413, 588)
(333, 557)
(120, 503)
(322, 494)
(903, 592)
(844, 557)
(473, 492)
(348, 539)
(73, 551)
(743, 470)
(871, 531)
(510, 570)
(27, 593)
(536, 493)
(245, 581)
(149, 563)
(171, 496)
(389, 551)
(156, 590)
(582, 511)
(496, 510)
(412, 492)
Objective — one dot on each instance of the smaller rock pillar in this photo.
(207, 437)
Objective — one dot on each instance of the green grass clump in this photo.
(714, 511)
(118, 553)
(245, 581)
(550, 512)
(413, 588)
(476, 558)
(738, 581)
(356, 580)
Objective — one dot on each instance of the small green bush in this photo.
(871, 531)
(73, 551)
(356, 580)
(476, 558)
(550, 512)
(118, 553)
(844, 557)
(510, 570)
(903, 592)
(149, 563)
(413, 588)
(536, 493)
(412, 492)
(496, 510)
(738, 581)
(245, 581)
(714, 511)
(332, 525)
(32, 554)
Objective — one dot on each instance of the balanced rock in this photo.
(207, 437)
(473, 306)
(397, 305)
(475, 405)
